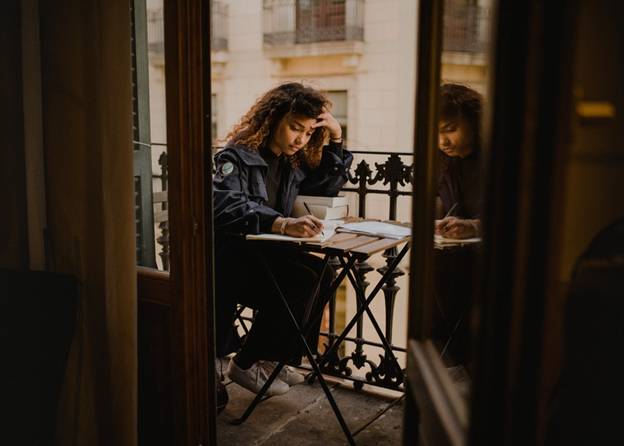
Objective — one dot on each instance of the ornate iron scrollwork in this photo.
(393, 171)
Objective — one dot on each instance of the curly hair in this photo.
(460, 102)
(255, 129)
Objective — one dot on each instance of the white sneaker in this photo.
(254, 378)
(289, 375)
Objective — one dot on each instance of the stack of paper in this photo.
(376, 228)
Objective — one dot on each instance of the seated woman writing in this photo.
(458, 208)
(458, 205)
(287, 144)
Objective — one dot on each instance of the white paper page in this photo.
(376, 228)
(329, 229)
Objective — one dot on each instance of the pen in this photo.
(307, 208)
(443, 229)
(310, 212)
(449, 211)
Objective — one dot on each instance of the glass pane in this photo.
(461, 173)
(150, 135)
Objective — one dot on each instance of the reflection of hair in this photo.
(257, 126)
(460, 102)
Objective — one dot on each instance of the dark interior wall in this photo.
(595, 179)
(13, 227)
(87, 134)
(594, 169)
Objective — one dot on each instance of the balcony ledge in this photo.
(464, 58)
(314, 49)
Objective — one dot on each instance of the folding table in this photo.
(348, 248)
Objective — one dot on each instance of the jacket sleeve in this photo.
(331, 174)
(234, 211)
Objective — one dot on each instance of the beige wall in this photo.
(378, 74)
(86, 86)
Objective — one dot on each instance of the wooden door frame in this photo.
(188, 290)
(526, 128)
(527, 136)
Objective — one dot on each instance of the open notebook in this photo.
(329, 229)
(372, 228)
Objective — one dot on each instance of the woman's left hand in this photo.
(326, 119)
(453, 227)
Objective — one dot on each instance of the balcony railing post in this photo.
(362, 177)
(333, 263)
(358, 356)
(163, 239)
(386, 371)
(334, 361)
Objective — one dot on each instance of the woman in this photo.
(459, 189)
(277, 151)
(458, 207)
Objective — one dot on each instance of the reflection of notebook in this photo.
(443, 241)
(376, 228)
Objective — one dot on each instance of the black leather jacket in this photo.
(240, 192)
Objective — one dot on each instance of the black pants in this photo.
(242, 278)
(454, 279)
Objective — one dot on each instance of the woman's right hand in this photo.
(453, 227)
(305, 226)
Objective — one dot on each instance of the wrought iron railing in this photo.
(391, 177)
(466, 28)
(372, 173)
(288, 22)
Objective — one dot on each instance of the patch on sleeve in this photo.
(227, 168)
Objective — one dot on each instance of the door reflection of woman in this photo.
(459, 195)
(458, 208)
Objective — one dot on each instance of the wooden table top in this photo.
(357, 244)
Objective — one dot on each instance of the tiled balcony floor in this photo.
(304, 417)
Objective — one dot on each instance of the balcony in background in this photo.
(466, 28)
(219, 26)
(296, 28)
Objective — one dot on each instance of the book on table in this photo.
(322, 212)
(340, 200)
(325, 208)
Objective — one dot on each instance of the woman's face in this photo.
(455, 138)
(292, 134)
